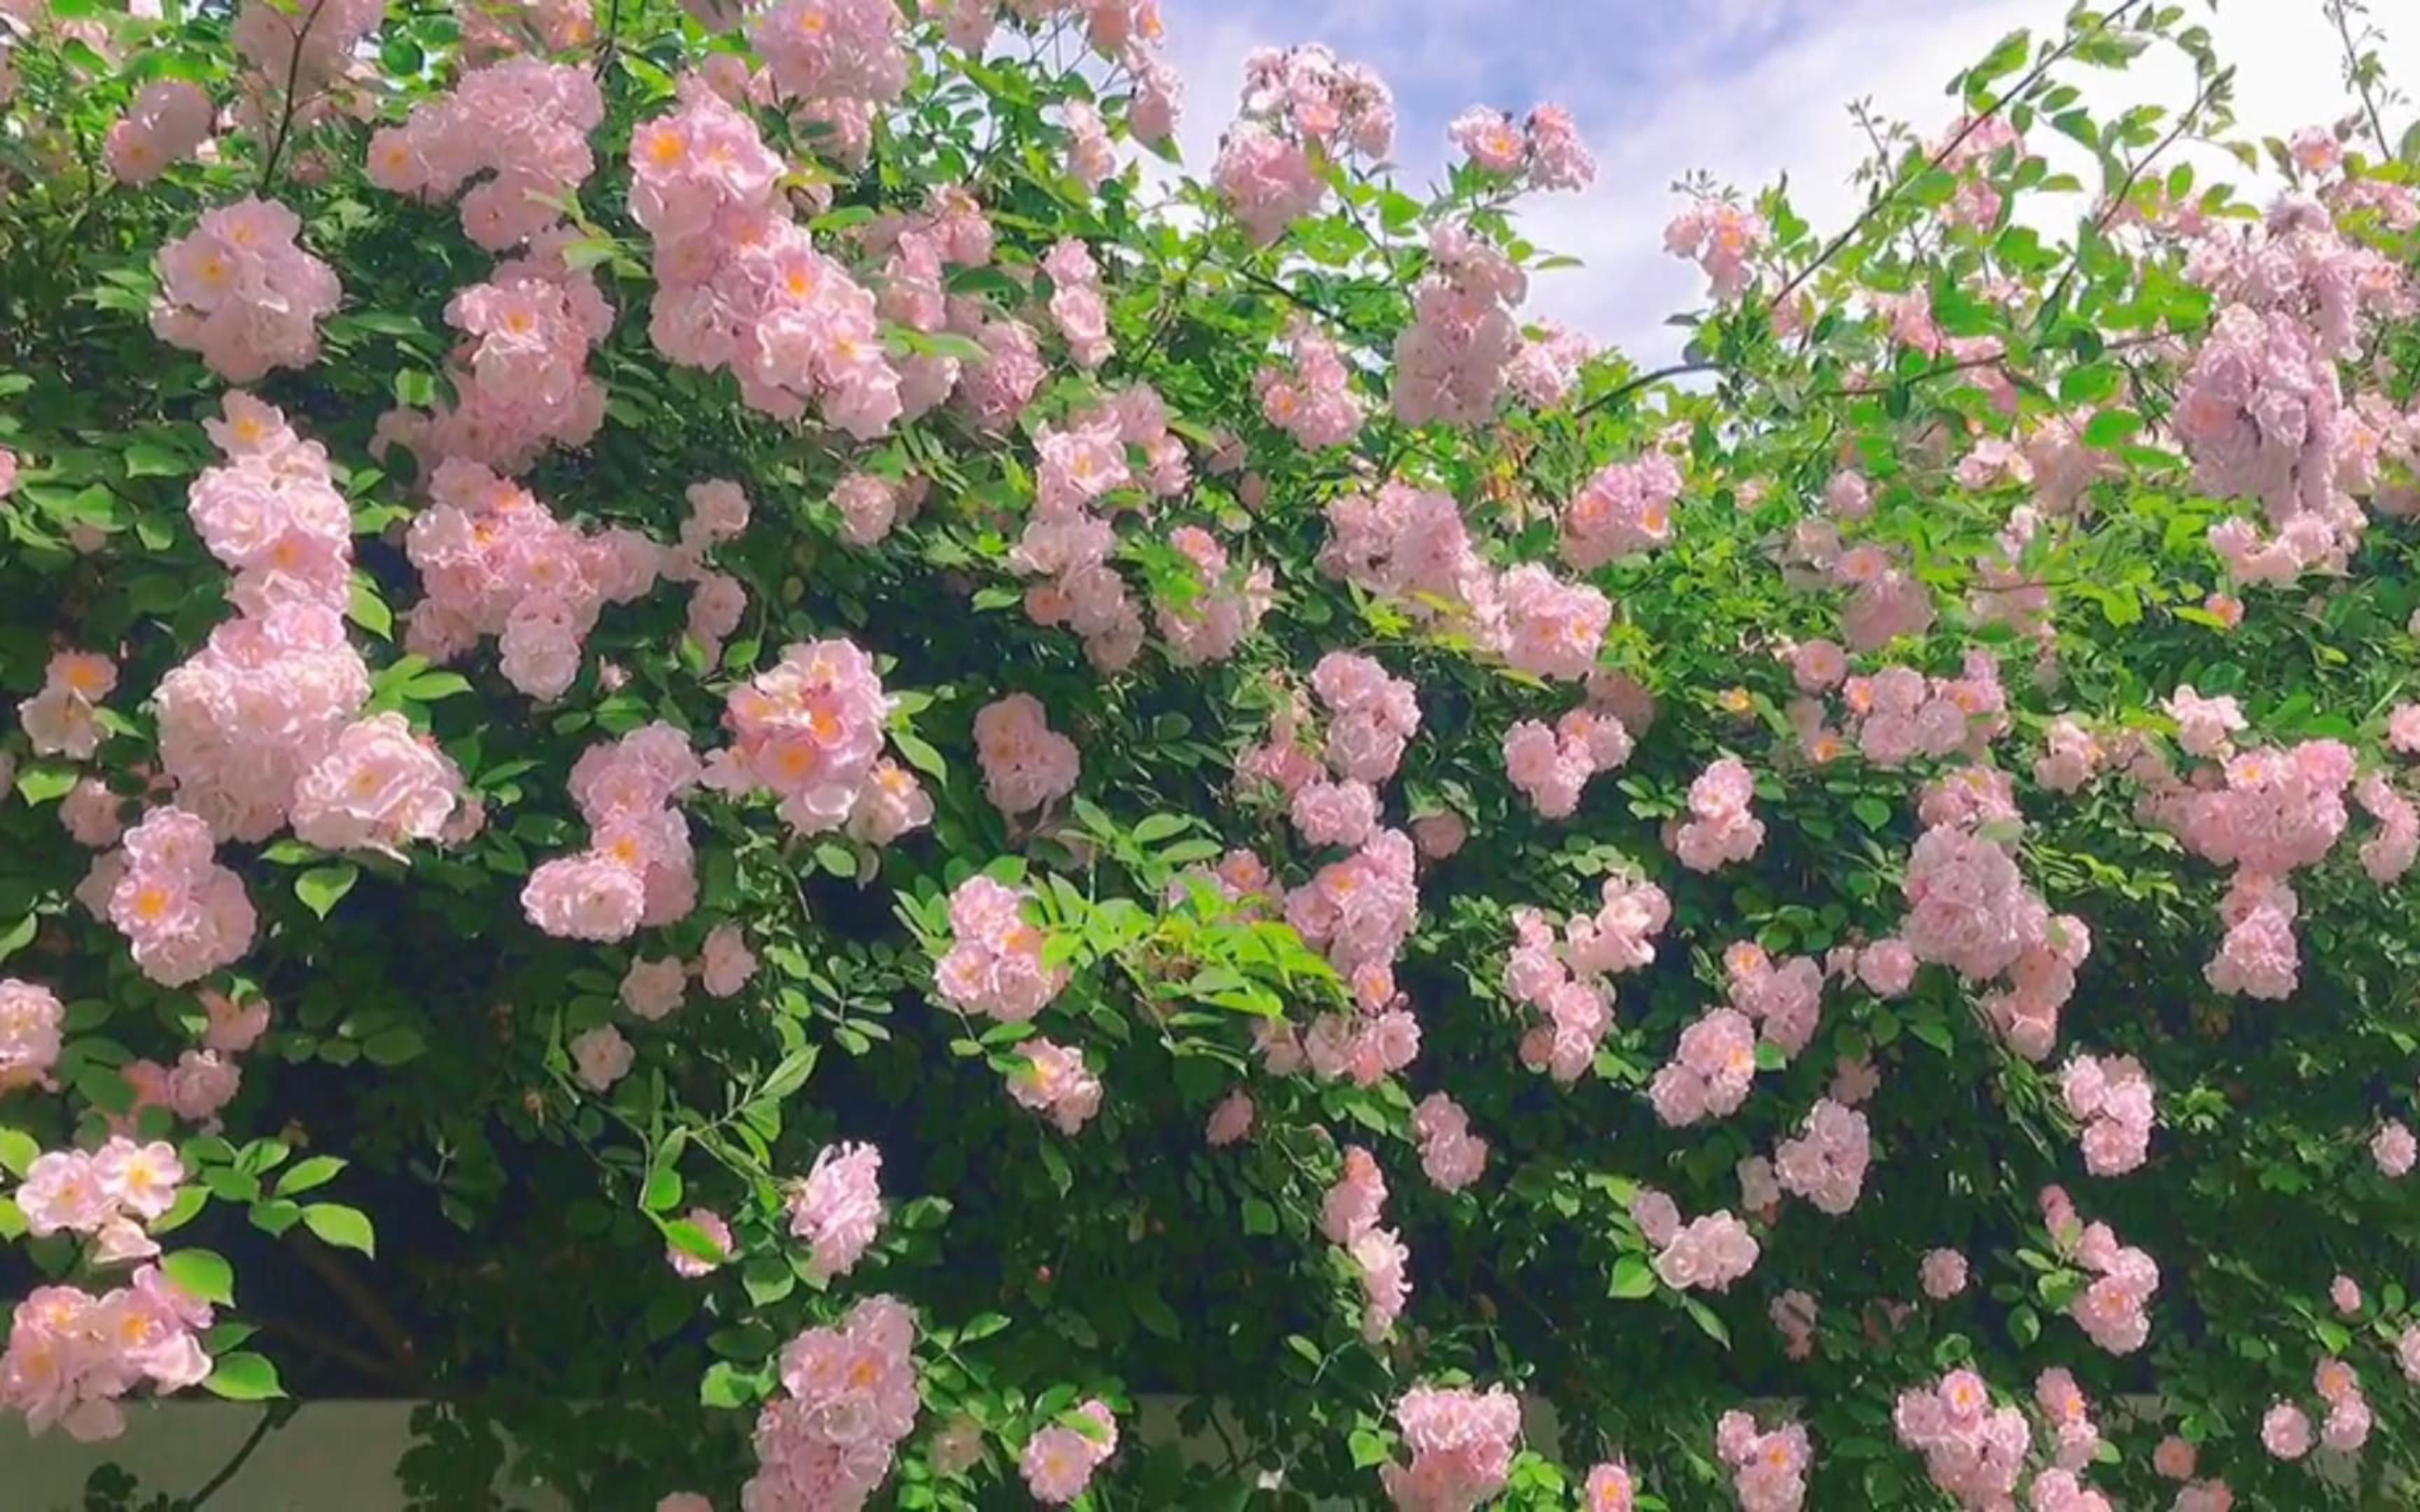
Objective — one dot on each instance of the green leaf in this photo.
(2024, 1325)
(384, 322)
(324, 886)
(1152, 1310)
(145, 460)
(1258, 1217)
(416, 389)
(1872, 811)
(2110, 428)
(46, 781)
(430, 686)
(724, 1386)
(366, 610)
(203, 1274)
(394, 1046)
(19, 935)
(921, 754)
(790, 1074)
(1704, 1316)
(243, 1377)
(17, 1151)
(317, 1171)
(345, 1227)
(694, 1241)
(276, 1215)
(191, 1200)
(663, 1191)
(1934, 1033)
(1367, 1448)
(2089, 384)
(1633, 1278)
(767, 1279)
(1158, 826)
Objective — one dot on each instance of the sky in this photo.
(1745, 89)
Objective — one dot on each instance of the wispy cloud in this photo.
(1749, 90)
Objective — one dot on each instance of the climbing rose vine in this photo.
(733, 741)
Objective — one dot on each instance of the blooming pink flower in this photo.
(1546, 366)
(59, 719)
(2174, 1459)
(2111, 1099)
(1794, 1315)
(1231, 1120)
(1724, 239)
(956, 1448)
(652, 989)
(1315, 402)
(586, 896)
(168, 120)
(2393, 1148)
(90, 813)
(1461, 1443)
(31, 1017)
(1943, 1273)
(184, 915)
(379, 787)
(1709, 1252)
(725, 965)
(1720, 828)
(601, 1056)
(787, 320)
(72, 1355)
(2285, 1432)
(1026, 765)
(849, 1396)
(809, 730)
(994, 963)
(1768, 1469)
(838, 1209)
(238, 290)
(1438, 836)
(1059, 1460)
(1609, 1488)
(1451, 362)
(1266, 180)
(1450, 1155)
(1888, 967)
(1055, 1082)
(1826, 1163)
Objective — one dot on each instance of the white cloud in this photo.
(1745, 89)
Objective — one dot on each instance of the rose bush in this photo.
(739, 747)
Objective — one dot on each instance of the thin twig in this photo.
(2133, 176)
(1863, 390)
(293, 78)
(362, 1361)
(2338, 12)
(1888, 197)
(1624, 390)
(275, 1416)
(360, 1302)
(1170, 304)
(609, 44)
